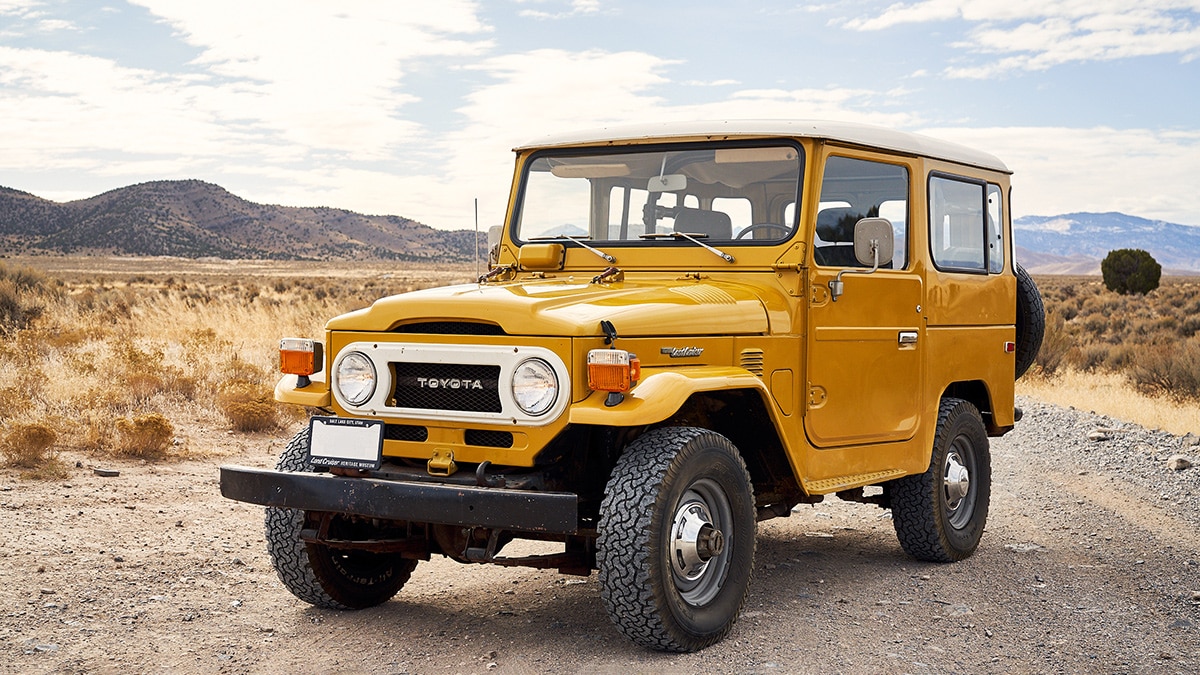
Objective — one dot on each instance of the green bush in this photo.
(1130, 270)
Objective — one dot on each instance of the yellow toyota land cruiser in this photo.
(684, 329)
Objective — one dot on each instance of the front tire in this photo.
(939, 515)
(675, 544)
(321, 575)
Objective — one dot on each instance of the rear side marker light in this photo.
(1010, 347)
(301, 357)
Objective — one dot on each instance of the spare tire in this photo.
(1031, 320)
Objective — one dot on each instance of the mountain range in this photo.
(1075, 243)
(194, 219)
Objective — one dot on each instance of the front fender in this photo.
(315, 395)
(661, 393)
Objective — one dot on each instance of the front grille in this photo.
(489, 439)
(405, 432)
(451, 328)
(447, 386)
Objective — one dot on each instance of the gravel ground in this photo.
(1089, 564)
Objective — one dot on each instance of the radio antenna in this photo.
(477, 236)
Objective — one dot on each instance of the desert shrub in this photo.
(1089, 357)
(147, 436)
(248, 406)
(143, 372)
(1169, 370)
(13, 402)
(30, 446)
(17, 307)
(1056, 343)
(1130, 270)
(1189, 326)
(27, 445)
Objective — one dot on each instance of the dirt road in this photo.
(1087, 566)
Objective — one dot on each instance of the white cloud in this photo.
(577, 8)
(1145, 172)
(710, 83)
(1037, 35)
(322, 75)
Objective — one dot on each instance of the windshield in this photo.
(717, 193)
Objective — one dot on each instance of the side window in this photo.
(957, 231)
(851, 190)
(995, 213)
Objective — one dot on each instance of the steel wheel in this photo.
(940, 515)
(675, 543)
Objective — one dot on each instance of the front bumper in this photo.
(518, 510)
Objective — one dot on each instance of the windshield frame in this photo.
(635, 241)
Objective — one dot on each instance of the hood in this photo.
(575, 308)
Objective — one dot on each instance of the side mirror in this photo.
(874, 245)
(493, 243)
(874, 236)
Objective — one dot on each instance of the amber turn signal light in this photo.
(612, 370)
(298, 356)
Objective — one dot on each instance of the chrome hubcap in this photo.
(694, 540)
(957, 481)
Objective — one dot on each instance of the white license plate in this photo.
(345, 442)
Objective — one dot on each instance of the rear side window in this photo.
(958, 232)
(995, 215)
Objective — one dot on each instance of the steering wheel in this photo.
(764, 226)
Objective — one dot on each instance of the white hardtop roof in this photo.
(845, 132)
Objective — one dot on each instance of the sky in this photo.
(412, 108)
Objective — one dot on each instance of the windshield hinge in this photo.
(609, 275)
(502, 273)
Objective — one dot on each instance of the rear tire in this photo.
(321, 575)
(676, 539)
(939, 515)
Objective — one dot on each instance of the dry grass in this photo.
(1110, 394)
(1131, 357)
(123, 362)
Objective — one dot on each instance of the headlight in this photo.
(356, 378)
(534, 386)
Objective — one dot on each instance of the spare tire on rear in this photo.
(1031, 320)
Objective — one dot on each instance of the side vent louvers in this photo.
(752, 360)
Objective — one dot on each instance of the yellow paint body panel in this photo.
(851, 387)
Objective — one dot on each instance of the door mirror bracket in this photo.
(874, 245)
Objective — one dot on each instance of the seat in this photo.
(836, 227)
(715, 224)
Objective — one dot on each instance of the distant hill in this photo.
(1075, 243)
(194, 219)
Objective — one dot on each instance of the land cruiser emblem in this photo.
(681, 352)
(448, 383)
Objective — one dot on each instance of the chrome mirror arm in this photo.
(837, 287)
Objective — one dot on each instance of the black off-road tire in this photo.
(931, 521)
(1031, 320)
(320, 575)
(667, 480)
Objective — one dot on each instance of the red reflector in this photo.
(1010, 347)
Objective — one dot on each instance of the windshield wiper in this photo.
(692, 238)
(578, 239)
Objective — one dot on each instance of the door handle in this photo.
(907, 337)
